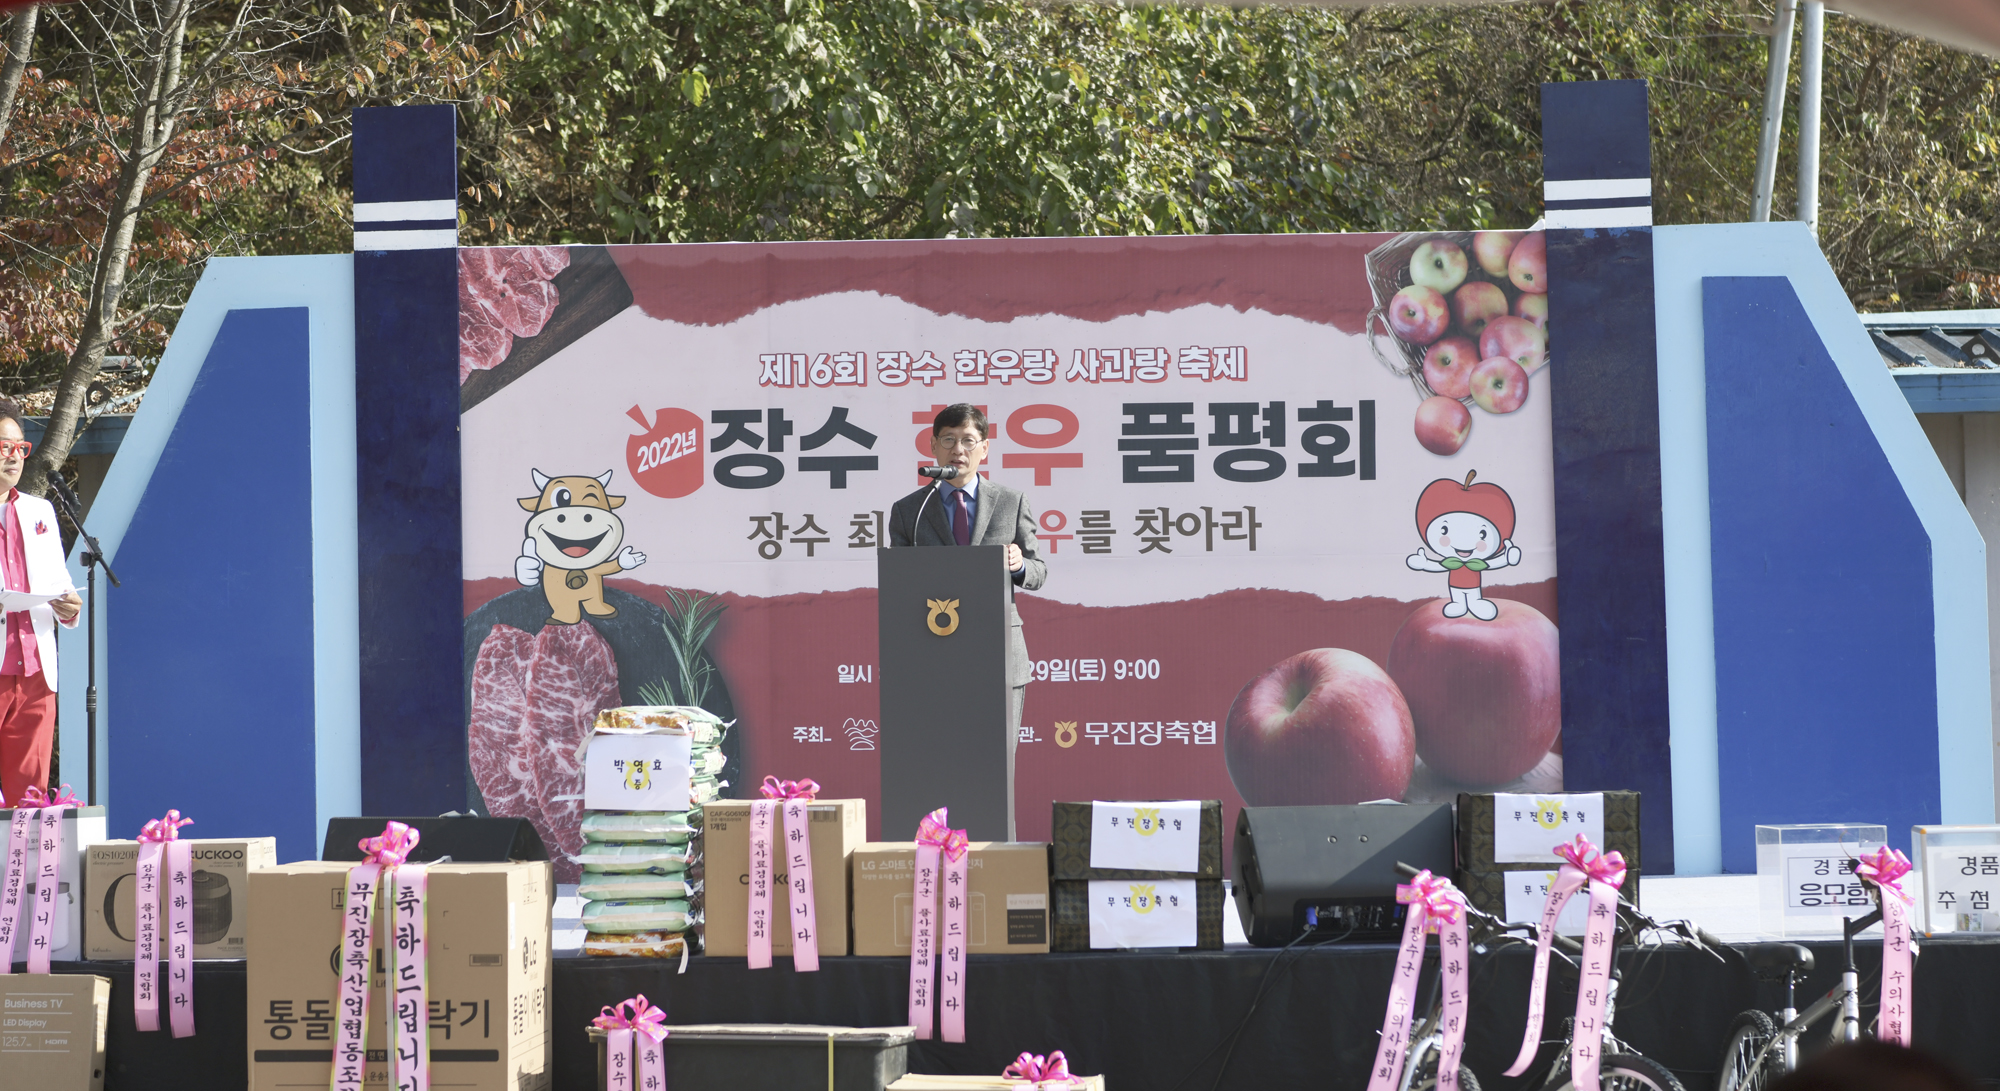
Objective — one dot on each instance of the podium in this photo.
(943, 620)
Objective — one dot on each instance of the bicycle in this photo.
(1760, 1050)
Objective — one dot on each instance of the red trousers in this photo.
(27, 732)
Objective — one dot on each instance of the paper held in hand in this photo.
(15, 601)
(1156, 836)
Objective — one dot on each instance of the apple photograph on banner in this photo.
(1294, 494)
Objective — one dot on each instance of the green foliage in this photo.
(690, 618)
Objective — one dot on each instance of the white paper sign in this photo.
(16, 601)
(1527, 828)
(1959, 883)
(1146, 836)
(1142, 913)
(1528, 894)
(1820, 881)
(636, 773)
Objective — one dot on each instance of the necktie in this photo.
(961, 518)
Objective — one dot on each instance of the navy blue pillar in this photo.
(1604, 390)
(407, 472)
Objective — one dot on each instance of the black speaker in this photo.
(1332, 870)
(467, 839)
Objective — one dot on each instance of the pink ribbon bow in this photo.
(162, 830)
(807, 789)
(394, 846)
(160, 843)
(1602, 874)
(34, 806)
(1435, 907)
(1037, 1069)
(625, 1024)
(1883, 868)
(800, 923)
(386, 868)
(936, 938)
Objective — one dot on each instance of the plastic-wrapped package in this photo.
(662, 827)
(636, 945)
(627, 858)
(659, 915)
(600, 886)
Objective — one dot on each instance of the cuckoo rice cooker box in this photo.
(220, 890)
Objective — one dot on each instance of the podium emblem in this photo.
(945, 608)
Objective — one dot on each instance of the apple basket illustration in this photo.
(1389, 272)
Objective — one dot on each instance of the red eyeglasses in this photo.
(16, 449)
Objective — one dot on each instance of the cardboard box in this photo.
(1070, 927)
(489, 971)
(221, 877)
(1070, 857)
(1486, 882)
(1007, 912)
(778, 1056)
(838, 827)
(82, 828)
(52, 1030)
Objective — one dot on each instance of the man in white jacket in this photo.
(31, 559)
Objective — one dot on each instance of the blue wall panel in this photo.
(212, 631)
(1826, 681)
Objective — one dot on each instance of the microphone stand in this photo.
(93, 557)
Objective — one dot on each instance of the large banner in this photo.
(1294, 494)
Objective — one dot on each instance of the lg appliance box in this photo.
(838, 827)
(221, 884)
(1007, 909)
(82, 828)
(489, 974)
(52, 1030)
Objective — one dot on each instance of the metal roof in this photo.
(1945, 361)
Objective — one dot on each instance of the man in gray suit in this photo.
(964, 510)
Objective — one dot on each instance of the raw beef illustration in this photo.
(533, 700)
(503, 294)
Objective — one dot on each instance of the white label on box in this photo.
(1027, 901)
(1527, 828)
(636, 773)
(1959, 883)
(1142, 913)
(1528, 895)
(1820, 881)
(1146, 836)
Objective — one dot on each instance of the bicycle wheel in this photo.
(1630, 1072)
(1744, 1066)
(1427, 1077)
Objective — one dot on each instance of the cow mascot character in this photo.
(573, 543)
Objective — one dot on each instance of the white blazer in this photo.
(48, 572)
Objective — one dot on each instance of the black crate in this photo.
(1484, 881)
(1070, 914)
(779, 1056)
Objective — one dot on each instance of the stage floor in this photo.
(1148, 1021)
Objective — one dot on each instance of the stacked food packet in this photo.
(641, 881)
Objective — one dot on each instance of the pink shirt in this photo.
(23, 655)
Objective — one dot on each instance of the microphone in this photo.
(942, 473)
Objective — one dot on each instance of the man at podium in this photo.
(962, 509)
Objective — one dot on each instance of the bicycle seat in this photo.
(1778, 960)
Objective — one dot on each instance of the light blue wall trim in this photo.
(1949, 390)
(1683, 255)
(326, 285)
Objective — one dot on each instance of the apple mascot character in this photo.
(1466, 529)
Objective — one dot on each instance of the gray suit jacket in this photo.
(1003, 517)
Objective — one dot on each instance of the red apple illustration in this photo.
(1477, 303)
(667, 459)
(1442, 425)
(1325, 726)
(1517, 339)
(1419, 314)
(1533, 308)
(1528, 265)
(1492, 249)
(1499, 385)
(1448, 366)
(1485, 696)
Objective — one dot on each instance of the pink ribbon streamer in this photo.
(1050, 1071)
(15, 881)
(936, 839)
(634, 1026)
(1884, 868)
(951, 949)
(42, 914)
(1604, 873)
(160, 838)
(1435, 907)
(409, 1055)
(803, 920)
